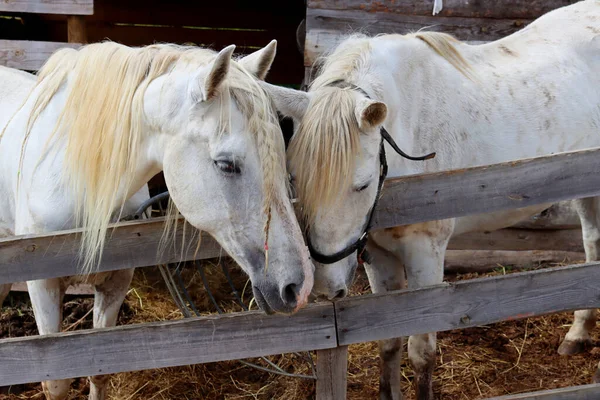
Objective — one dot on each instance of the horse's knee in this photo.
(56, 390)
(390, 357)
(421, 353)
(98, 387)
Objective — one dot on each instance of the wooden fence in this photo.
(328, 327)
(32, 29)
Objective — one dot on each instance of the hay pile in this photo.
(475, 363)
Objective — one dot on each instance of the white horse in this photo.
(100, 122)
(533, 93)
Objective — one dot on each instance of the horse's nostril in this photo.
(340, 294)
(289, 295)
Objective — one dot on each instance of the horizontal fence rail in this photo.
(72, 7)
(583, 392)
(405, 200)
(164, 344)
(467, 303)
(249, 334)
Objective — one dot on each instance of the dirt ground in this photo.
(475, 363)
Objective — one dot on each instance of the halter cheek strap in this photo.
(360, 244)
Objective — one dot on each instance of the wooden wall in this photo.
(248, 24)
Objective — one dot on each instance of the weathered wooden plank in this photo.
(469, 261)
(28, 55)
(133, 244)
(525, 9)
(72, 7)
(332, 371)
(583, 392)
(324, 27)
(520, 239)
(476, 190)
(467, 303)
(164, 344)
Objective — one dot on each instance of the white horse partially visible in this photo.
(533, 93)
(77, 144)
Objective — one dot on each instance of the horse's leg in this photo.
(46, 298)
(4, 291)
(109, 296)
(578, 337)
(387, 273)
(421, 248)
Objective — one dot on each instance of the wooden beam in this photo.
(509, 185)
(76, 30)
(332, 372)
(467, 303)
(524, 9)
(133, 244)
(74, 7)
(405, 200)
(520, 239)
(325, 28)
(28, 55)
(164, 344)
(583, 392)
(468, 261)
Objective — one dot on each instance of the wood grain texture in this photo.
(467, 303)
(73, 7)
(164, 344)
(76, 29)
(469, 261)
(332, 371)
(132, 244)
(584, 392)
(325, 28)
(476, 190)
(28, 55)
(527, 9)
(520, 239)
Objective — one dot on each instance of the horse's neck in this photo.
(42, 165)
(417, 85)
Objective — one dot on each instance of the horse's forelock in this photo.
(322, 153)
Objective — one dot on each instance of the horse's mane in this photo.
(101, 123)
(323, 150)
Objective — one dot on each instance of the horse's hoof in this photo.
(596, 378)
(571, 347)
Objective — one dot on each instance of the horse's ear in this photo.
(289, 102)
(208, 82)
(370, 114)
(259, 62)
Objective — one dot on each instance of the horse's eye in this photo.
(227, 166)
(363, 187)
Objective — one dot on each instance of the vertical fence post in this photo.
(76, 31)
(332, 371)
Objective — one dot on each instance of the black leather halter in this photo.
(359, 245)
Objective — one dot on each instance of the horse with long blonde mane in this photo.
(80, 143)
(533, 93)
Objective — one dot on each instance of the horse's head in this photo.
(334, 159)
(223, 159)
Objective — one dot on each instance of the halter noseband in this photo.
(360, 244)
